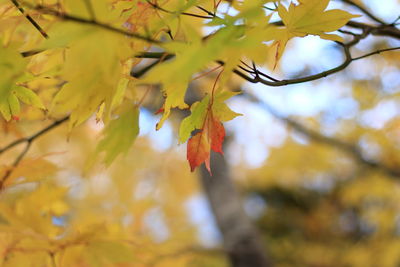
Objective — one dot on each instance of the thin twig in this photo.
(28, 141)
(269, 8)
(387, 30)
(67, 17)
(394, 23)
(348, 60)
(348, 32)
(34, 136)
(30, 19)
(381, 30)
(206, 11)
(365, 11)
(205, 73)
(376, 52)
(316, 136)
(275, 82)
(154, 5)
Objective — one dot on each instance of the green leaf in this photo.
(195, 120)
(5, 109)
(28, 97)
(10, 106)
(12, 66)
(14, 104)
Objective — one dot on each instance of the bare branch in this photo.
(156, 6)
(317, 76)
(67, 17)
(376, 52)
(381, 30)
(275, 82)
(30, 19)
(364, 10)
(28, 141)
(387, 30)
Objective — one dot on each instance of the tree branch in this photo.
(156, 6)
(376, 52)
(315, 136)
(67, 17)
(30, 19)
(387, 30)
(28, 141)
(381, 30)
(348, 60)
(364, 10)
(275, 82)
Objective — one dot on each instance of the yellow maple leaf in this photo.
(101, 53)
(309, 17)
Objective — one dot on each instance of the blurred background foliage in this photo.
(315, 203)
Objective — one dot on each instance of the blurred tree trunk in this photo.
(240, 238)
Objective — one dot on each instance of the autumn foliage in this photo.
(91, 76)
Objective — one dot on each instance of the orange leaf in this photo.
(199, 146)
(198, 151)
(217, 134)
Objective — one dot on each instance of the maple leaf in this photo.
(10, 105)
(210, 138)
(220, 109)
(12, 66)
(82, 95)
(195, 120)
(309, 17)
(207, 116)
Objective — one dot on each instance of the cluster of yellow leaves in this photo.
(83, 94)
(13, 71)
